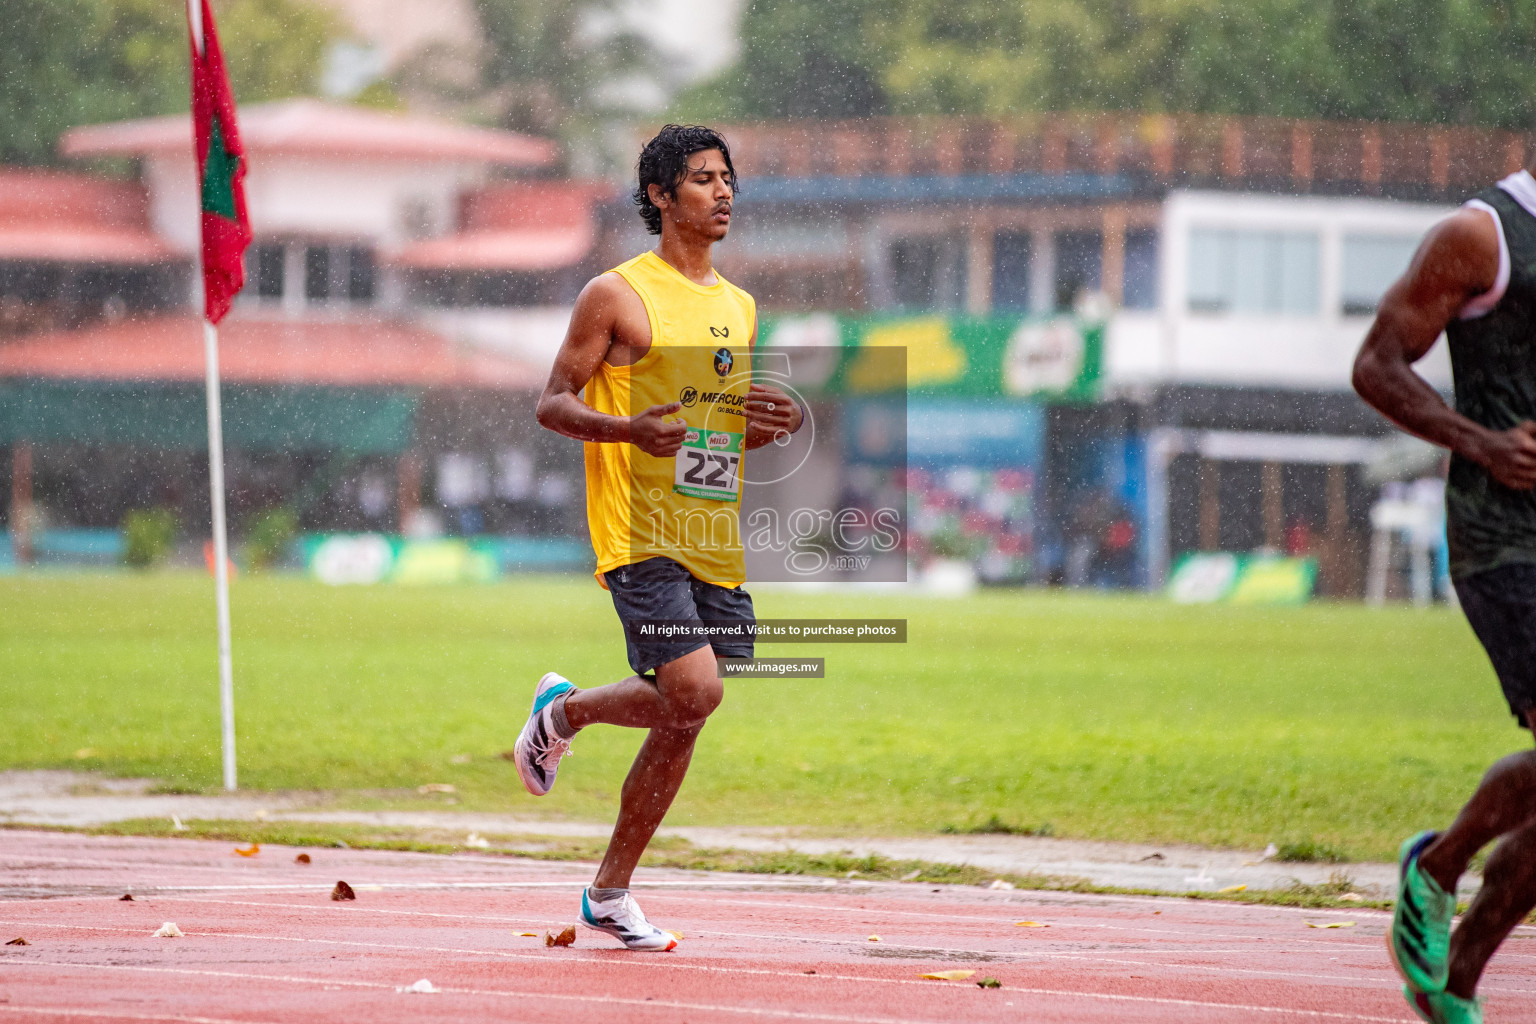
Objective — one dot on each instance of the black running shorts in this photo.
(1501, 606)
(661, 590)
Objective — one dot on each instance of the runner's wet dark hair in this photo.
(664, 161)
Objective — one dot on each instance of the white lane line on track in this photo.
(748, 1011)
(812, 885)
(1332, 943)
(55, 1011)
(526, 996)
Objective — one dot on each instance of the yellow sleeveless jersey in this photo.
(684, 508)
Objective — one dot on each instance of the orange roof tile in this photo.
(354, 352)
(75, 218)
(499, 250)
(313, 128)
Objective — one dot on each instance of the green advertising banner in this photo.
(1223, 577)
(1022, 357)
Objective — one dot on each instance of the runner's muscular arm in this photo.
(588, 341)
(1458, 261)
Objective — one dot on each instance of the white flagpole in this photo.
(216, 494)
(220, 548)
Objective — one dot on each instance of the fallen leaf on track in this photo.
(126, 897)
(948, 975)
(1029, 924)
(565, 938)
(1332, 924)
(527, 935)
(676, 935)
(989, 983)
(874, 938)
(1233, 888)
(168, 931)
(251, 851)
(302, 858)
(18, 941)
(343, 891)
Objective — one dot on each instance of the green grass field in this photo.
(1098, 716)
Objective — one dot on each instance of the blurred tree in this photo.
(1455, 61)
(549, 61)
(71, 62)
(828, 65)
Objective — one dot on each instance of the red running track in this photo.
(264, 942)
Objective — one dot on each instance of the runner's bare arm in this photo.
(1458, 261)
(769, 412)
(587, 343)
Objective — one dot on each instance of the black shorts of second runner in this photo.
(661, 589)
(1500, 604)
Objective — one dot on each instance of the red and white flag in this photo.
(220, 167)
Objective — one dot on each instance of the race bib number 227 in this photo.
(709, 465)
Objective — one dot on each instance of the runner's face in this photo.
(702, 204)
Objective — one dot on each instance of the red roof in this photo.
(313, 128)
(522, 226)
(75, 218)
(355, 352)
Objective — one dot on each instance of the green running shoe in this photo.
(1420, 938)
(1444, 1008)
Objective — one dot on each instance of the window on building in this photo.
(1079, 265)
(1139, 289)
(317, 272)
(268, 258)
(360, 273)
(1371, 264)
(1240, 271)
(927, 272)
(331, 271)
(1012, 252)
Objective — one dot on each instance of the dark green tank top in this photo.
(1493, 362)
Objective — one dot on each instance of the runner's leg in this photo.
(1507, 895)
(674, 708)
(683, 693)
(1504, 805)
(1505, 801)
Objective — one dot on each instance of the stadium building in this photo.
(377, 370)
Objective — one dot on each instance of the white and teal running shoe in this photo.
(1420, 937)
(538, 750)
(622, 919)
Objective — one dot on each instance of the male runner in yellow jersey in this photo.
(662, 346)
